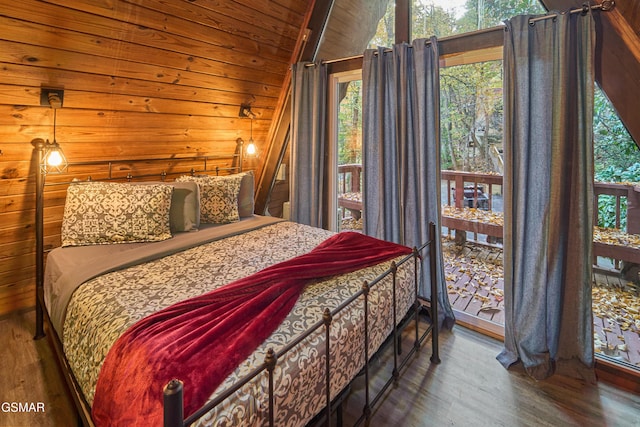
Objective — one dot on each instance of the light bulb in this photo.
(251, 148)
(54, 159)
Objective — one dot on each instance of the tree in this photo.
(385, 35)
(490, 13)
(349, 124)
(430, 20)
(471, 115)
(613, 145)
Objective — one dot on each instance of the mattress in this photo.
(124, 288)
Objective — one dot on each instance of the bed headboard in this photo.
(118, 170)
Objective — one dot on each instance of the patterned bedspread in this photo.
(104, 307)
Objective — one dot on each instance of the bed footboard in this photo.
(173, 391)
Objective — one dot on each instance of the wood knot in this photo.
(10, 173)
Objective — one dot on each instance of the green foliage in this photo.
(429, 20)
(613, 146)
(350, 123)
(471, 115)
(616, 158)
(490, 13)
(616, 174)
(607, 212)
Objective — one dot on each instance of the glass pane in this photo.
(349, 182)
(385, 33)
(471, 117)
(447, 17)
(472, 193)
(616, 294)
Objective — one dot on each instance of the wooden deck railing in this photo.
(480, 183)
(475, 184)
(349, 189)
(484, 191)
(630, 193)
(472, 190)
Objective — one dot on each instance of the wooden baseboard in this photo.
(482, 326)
(618, 374)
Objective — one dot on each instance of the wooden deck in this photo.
(474, 275)
(474, 280)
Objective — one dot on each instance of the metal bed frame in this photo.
(173, 391)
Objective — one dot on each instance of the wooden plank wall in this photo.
(140, 79)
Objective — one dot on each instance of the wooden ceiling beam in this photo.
(278, 137)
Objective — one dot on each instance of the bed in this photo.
(98, 285)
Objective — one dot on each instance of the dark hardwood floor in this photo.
(469, 388)
(30, 374)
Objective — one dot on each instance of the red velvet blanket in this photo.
(202, 340)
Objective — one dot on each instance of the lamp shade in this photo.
(54, 159)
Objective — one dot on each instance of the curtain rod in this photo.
(605, 6)
(387, 50)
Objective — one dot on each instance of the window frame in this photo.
(335, 79)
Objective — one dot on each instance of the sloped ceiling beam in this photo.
(308, 42)
(617, 58)
(337, 29)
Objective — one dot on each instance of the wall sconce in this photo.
(245, 111)
(53, 158)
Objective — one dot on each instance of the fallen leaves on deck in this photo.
(610, 236)
(484, 274)
(618, 305)
(614, 236)
(355, 197)
(473, 214)
(351, 224)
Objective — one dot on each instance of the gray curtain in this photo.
(308, 123)
(401, 160)
(548, 186)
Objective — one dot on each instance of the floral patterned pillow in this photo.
(218, 197)
(107, 212)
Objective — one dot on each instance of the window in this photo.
(443, 18)
(385, 33)
(471, 135)
(471, 117)
(345, 165)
